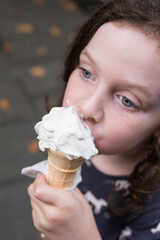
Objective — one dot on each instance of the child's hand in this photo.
(61, 215)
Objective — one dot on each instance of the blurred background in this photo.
(34, 37)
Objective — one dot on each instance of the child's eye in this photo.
(86, 74)
(127, 102)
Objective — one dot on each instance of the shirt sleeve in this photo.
(147, 225)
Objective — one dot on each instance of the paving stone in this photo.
(33, 41)
(21, 109)
(41, 17)
(15, 218)
(25, 48)
(3, 62)
(39, 78)
(14, 150)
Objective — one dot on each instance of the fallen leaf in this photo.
(37, 71)
(25, 28)
(33, 147)
(69, 5)
(41, 50)
(55, 31)
(7, 47)
(4, 104)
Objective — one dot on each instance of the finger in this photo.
(35, 201)
(37, 189)
(30, 190)
(40, 180)
(41, 213)
(52, 196)
(39, 207)
(38, 219)
(47, 194)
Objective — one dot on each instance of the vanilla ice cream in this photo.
(64, 132)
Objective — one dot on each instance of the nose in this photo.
(91, 108)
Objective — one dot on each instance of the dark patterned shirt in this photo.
(96, 186)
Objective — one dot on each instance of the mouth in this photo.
(88, 127)
(81, 116)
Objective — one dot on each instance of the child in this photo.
(113, 78)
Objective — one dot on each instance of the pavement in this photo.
(34, 37)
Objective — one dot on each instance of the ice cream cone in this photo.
(61, 170)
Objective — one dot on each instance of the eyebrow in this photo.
(85, 52)
(140, 88)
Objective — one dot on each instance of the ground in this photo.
(34, 37)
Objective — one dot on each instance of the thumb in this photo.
(40, 180)
(49, 194)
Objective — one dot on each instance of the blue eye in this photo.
(127, 103)
(86, 74)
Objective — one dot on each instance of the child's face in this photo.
(117, 88)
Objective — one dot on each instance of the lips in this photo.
(88, 126)
(84, 124)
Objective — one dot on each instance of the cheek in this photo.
(67, 99)
(116, 141)
(119, 134)
(124, 135)
(70, 96)
(74, 90)
(68, 93)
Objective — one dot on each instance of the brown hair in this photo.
(145, 15)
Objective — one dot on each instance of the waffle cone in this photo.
(61, 170)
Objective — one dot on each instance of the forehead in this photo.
(130, 49)
(124, 32)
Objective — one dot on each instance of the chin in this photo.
(105, 150)
(101, 150)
